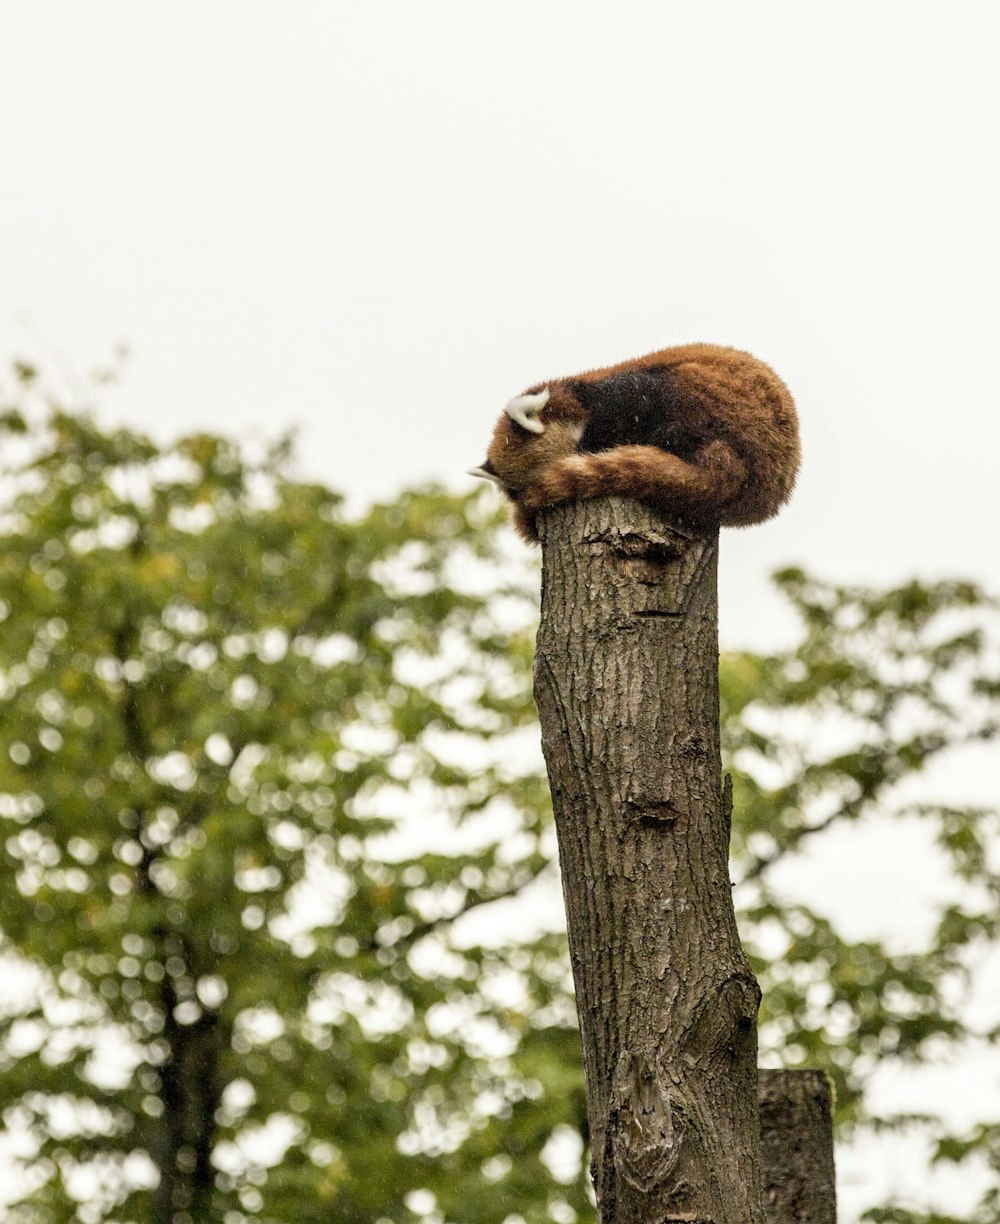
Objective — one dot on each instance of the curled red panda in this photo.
(705, 434)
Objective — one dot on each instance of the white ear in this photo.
(525, 409)
(484, 475)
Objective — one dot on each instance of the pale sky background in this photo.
(380, 221)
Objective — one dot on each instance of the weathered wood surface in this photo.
(626, 681)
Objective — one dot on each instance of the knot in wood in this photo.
(642, 554)
(646, 1134)
(642, 544)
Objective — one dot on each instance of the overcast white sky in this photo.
(380, 221)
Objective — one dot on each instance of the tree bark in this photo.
(796, 1140)
(626, 682)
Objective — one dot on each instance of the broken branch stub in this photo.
(626, 682)
(796, 1140)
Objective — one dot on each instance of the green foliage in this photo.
(834, 734)
(238, 826)
(264, 769)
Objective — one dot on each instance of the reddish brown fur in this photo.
(743, 474)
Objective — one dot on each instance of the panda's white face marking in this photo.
(526, 409)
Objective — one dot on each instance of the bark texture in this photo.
(626, 682)
(796, 1140)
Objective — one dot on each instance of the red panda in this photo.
(705, 434)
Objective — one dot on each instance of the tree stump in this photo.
(626, 682)
(796, 1140)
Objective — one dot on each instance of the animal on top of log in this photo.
(705, 434)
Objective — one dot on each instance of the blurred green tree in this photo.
(838, 734)
(276, 843)
(238, 830)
